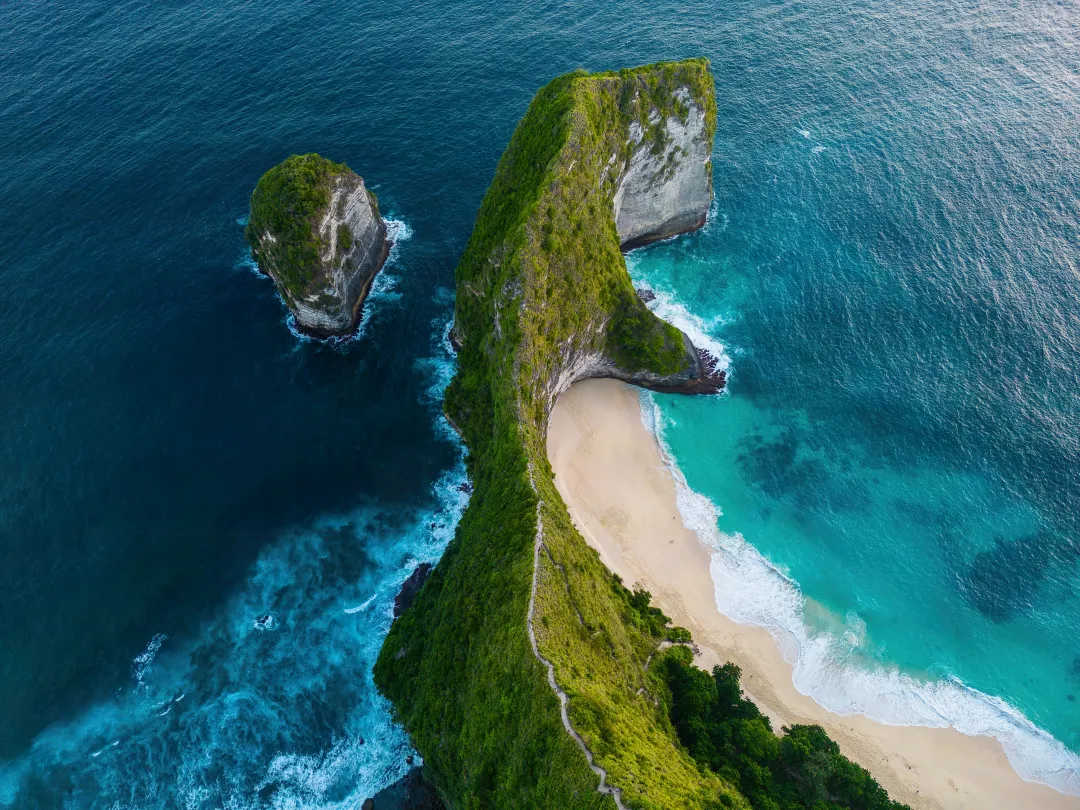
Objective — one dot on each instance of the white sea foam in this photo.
(397, 231)
(142, 664)
(439, 368)
(353, 610)
(243, 736)
(830, 669)
(246, 264)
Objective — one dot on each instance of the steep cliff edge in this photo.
(543, 299)
(665, 187)
(315, 229)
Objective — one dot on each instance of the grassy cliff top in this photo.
(543, 282)
(288, 203)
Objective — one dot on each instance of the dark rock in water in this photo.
(411, 588)
(704, 377)
(315, 229)
(646, 295)
(466, 487)
(411, 792)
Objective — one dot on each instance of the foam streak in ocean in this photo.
(828, 668)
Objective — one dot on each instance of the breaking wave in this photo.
(271, 704)
(667, 306)
(833, 668)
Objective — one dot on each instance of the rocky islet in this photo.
(316, 230)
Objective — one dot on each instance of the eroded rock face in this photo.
(666, 186)
(410, 588)
(316, 230)
(346, 270)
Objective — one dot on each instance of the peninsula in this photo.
(526, 673)
(315, 229)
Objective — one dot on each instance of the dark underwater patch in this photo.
(1005, 580)
(769, 465)
(774, 467)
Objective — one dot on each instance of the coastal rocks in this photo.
(646, 295)
(666, 185)
(411, 792)
(410, 588)
(315, 229)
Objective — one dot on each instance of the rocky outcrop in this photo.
(519, 609)
(410, 588)
(315, 228)
(666, 185)
(411, 792)
(701, 376)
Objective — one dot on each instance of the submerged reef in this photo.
(315, 229)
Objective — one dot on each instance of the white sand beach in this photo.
(623, 500)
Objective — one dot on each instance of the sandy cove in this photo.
(621, 497)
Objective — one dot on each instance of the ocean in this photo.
(890, 273)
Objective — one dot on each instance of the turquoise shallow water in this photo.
(888, 479)
(891, 267)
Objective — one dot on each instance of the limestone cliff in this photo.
(315, 229)
(521, 669)
(665, 187)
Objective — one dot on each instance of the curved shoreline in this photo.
(622, 498)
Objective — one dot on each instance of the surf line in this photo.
(603, 788)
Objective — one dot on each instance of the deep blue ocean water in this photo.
(891, 268)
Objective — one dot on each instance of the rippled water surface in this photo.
(891, 268)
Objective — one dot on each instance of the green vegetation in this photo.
(344, 239)
(636, 344)
(542, 278)
(289, 202)
(542, 282)
(725, 732)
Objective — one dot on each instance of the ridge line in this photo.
(603, 788)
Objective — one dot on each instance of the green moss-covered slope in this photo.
(542, 284)
(288, 202)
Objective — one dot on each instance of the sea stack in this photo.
(315, 229)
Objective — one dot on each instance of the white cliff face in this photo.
(348, 265)
(667, 191)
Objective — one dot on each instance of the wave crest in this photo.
(828, 666)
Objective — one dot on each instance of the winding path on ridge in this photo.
(603, 788)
